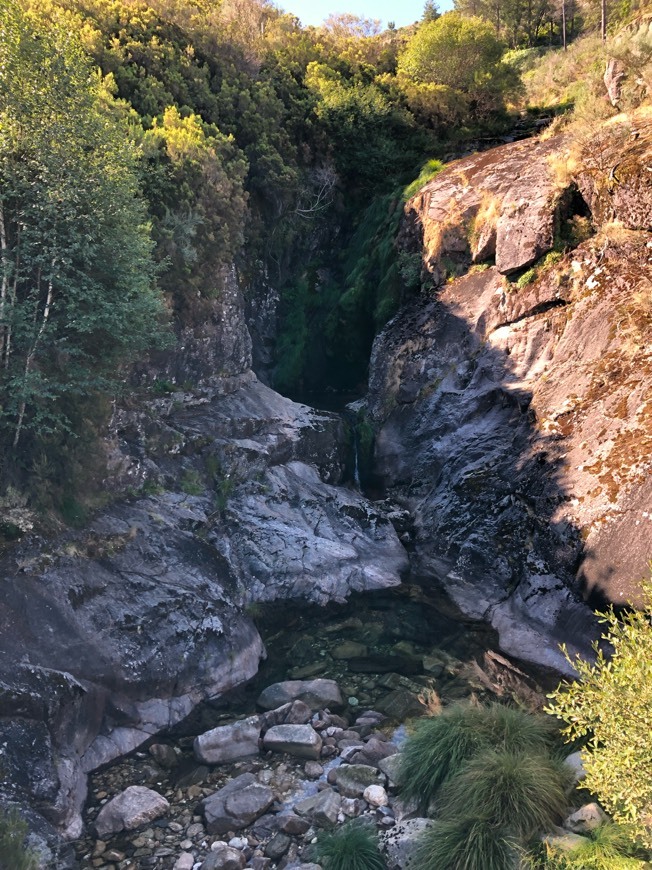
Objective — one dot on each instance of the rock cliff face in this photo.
(514, 418)
(113, 633)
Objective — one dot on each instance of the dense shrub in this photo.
(611, 704)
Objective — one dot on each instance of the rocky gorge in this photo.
(512, 445)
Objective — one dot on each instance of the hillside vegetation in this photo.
(164, 141)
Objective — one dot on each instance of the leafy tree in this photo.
(611, 705)
(77, 297)
(460, 57)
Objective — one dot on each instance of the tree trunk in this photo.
(603, 23)
(563, 23)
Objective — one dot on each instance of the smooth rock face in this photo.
(519, 463)
(228, 742)
(132, 808)
(141, 616)
(299, 740)
(317, 694)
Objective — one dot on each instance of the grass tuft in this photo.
(441, 746)
(522, 792)
(354, 846)
(466, 844)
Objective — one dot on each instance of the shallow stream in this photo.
(397, 651)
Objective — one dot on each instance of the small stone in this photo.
(349, 649)
(277, 846)
(353, 701)
(185, 844)
(376, 796)
(114, 855)
(574, 761)
(566, 842)
(289, 823)
(164, 755)
(313, 769)
(238, 843)
(185, 861)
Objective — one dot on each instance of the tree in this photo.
(460, 58)
(611, 705)
(430, 11)
(77, 295)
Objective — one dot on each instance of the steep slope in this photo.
(514, 416)
(113, 633)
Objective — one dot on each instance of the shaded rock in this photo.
(164, 755)
(399, 844)
(352, 779)
(223, 857)
(322, 809)
(277, 846)
(294, 713)
(385, 664)
(390, 766)
(317, 694)
(574, 762)
(132, 808)
(400, 705)
(236, 805)
(292, 824)
(299, 740)
(229, 742)
(374, 751)
(586, 819)
(349, 649)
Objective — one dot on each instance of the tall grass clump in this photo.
(441, 746)
(354, 846)
(13, 854)
(522, 792)
(466, 844)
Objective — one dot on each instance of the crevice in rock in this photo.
(535, 311)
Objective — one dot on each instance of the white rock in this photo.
(185, 861)
(587, 818)
(376, 796)
(133, 807)
(574, 761)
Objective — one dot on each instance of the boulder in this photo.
(390, 766)
(164, 755)
(229, 742)
(565, 842)
(586, 819)
(293, 713)
(299, 740)
(322, 809)
(132, 808)
(574, 762)
(352, 779)
(399, 844)
(236, 805)
(278, 846)
(317, 694)
(401, 704)
(224, 857)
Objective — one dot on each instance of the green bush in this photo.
(522, 792)
(13, 855)
(609, 848)
(611, 704)
(442, 745)
(352, 847)
(466, 844)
